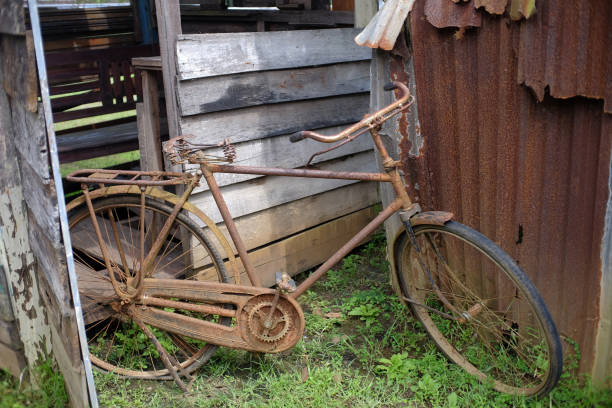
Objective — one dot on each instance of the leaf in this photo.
(522, 8)
(333, 315)
(453, 400)
(305, 374)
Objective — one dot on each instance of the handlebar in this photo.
(367, 121)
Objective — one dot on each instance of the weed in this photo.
(375, 355)
(399, 367)
(50, 390)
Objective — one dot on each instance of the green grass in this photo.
(50, 393)
(361, 348)
(100, 162)
(369, 352)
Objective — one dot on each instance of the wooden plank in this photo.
(364, 11)
(214, 94)
(302, 251)
(149, 63)
(87, 139)
(90, 112)
(32, 142)
(147, 117)
(68, 88)
(278, 222)
(315, 17)
(6, 310)
(169, 27)
(203, 55)
(12, 360)
(20, 79)
(73, 372)
(272, 120)
(256, 195)
(89, 42)
(12, 17)
(19, 264)
(280, 152)
(41, 198)
(50, 256)
(9, 335)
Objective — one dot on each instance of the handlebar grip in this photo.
(296, 137)
(389, 86)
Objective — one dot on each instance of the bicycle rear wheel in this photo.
(116, 343)
(480, 308)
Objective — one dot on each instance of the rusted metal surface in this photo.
(431, 217)
(129, 177)
(231, 226)
(531, 176)
(567, 49)
(443, 14)
(307, 173)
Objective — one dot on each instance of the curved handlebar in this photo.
(368, 120)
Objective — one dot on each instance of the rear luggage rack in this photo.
(129, 177)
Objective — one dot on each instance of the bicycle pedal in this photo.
(284, 282)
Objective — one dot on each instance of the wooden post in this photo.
(364, 11)
(147, 115)
(169, 27)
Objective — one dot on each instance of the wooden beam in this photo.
(12, 360)
(305, 250)
(284, 220)
(257, 122)
(147, 117)
(202, 55)
(214, 94)
(364, 11)
(280, 152)
(9, 335)
(271, 191)
(12, 17)
(169, 27)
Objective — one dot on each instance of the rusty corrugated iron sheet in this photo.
(444, 13)
(531, 175)
(567, 48)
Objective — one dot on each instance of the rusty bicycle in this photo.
(160, 284)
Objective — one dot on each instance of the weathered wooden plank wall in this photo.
(32, 257)
(255, 89)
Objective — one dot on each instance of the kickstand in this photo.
(166, 358)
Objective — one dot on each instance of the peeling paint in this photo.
(20, 269)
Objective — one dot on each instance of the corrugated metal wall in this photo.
(531, 175)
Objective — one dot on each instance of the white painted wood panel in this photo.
(212, 94)
(202, 55)
(257, 122)
(280, 152)
(256, 195)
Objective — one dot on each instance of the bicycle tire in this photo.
(102, 324)
(507, 337)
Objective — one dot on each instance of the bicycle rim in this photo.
(502, 332)
(116, 343)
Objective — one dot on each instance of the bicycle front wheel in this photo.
(116, 343)
(480, 308)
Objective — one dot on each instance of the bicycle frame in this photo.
(391, 175)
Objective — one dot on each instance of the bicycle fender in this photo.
(431, 217)
(427, 217)
(172, 198)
